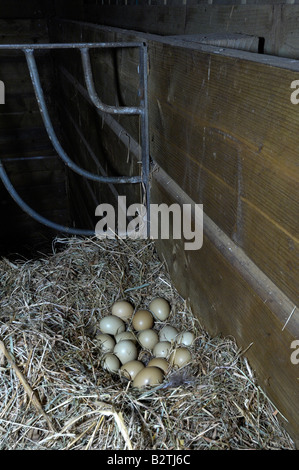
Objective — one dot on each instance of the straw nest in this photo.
(54, 393)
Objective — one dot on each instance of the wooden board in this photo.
(231, 143)
(276, 23)
(232, 296)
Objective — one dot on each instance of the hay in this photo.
(50, 308)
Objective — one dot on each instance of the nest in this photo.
(54, 393)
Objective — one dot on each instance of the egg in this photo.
(180, 357)
(123, 310)
(148, 338)
(111, 363)
(125, 335)
(160, 308)
(168, 333)
(105, 342)
(142, 320)
(126, 351)
(131, 369)
(185, 337)
(162, 349)
(112, 325)
(159, 362)
(148, 376)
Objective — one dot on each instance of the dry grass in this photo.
(49, 310)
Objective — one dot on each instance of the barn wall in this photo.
(223, 133)
(30, 161)
(274, 20)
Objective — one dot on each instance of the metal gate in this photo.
(91, 95)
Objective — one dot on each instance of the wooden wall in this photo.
(34, 168)
(274, 20)
(223, 132)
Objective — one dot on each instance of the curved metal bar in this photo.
(32, 213)
(52, 135)
(70, 45)
(93, 94)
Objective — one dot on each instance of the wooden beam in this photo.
(244, 42)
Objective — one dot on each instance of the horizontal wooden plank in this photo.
(245, 42)
(199, 100)
(31, 141)
(35, 179)
(20, 119)
(187, 137)
(254, 311)
(233, 96)
(31, 9)
(31, 30)
(264, 240)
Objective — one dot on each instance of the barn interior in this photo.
(220, 128)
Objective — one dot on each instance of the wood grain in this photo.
(232, 296)
(231, 145)
(224, 132)
(273, 21)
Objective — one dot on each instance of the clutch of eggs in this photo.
(120, 346)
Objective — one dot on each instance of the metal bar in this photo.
(52, 135)
(73, 45)
(93, 94)
(131, 144)
(90, 151)
(145, 131)
(32, 213)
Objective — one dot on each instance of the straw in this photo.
(54, 394)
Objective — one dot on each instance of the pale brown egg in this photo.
(126, 351)
(159, 362)
(123, 310)
(111, 363)
(148, 338)
(112, 325)
(185, 337)
(142, 320)
(180, 357)
(160, 308)
(148, 376)
(105, 342)
(168, 333)
(125, 335)
(162, 349)
(131, 369)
